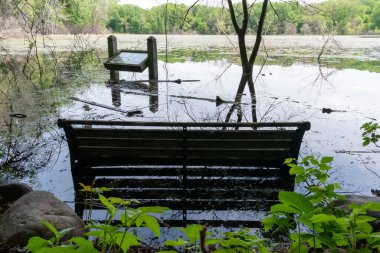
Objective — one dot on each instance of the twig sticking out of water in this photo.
(128, 113)
(179, 81)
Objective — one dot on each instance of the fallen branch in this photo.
(179, 81)
(217, 100)
(129, 113)
(357, 151)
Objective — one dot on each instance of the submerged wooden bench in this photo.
(186, 166)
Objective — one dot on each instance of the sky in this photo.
(150, 3)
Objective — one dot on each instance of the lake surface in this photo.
(291, 86)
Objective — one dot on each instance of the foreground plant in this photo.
(371, 133)
(118, 237)
(312, 222)
(37, 244)
(238, 242)
(111, 235)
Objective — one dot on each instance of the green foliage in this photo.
(371, 133)
(192, 233)
(284, 17)
(375, 16)
(290, 17)
(310, 221)
(238, 241)
(108, 236)
(37, 244)
(313, 175)
(313, 220)
(111, 236)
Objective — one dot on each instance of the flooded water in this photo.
(291, 86)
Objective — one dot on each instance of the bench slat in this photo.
(191, 171)
(178, 193)
(163, 160)
(178, 143)
(202, 205)
(178, 134)
(194, 183)
(99, 151)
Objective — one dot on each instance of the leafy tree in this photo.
(375, 16)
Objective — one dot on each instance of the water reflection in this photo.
(29, 140)
(116, 97)
(214, 195)
(150, 90)
(287, 92)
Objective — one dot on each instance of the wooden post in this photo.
(116, 97)
(153, 99)
(112, 50)
(152, 58)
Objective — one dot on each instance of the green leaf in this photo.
(64, 232)
(313, 161)
(296, 170)
(327, 159)
(324, 167)
(139, 220)
(114, 200)
(153, 209)
(297, 248)
(343, 222)
(125, 241)
(51, 228)
(36, 243)
(371, 206)
(129, 218)
(221, 251)
(269, 222)
(84, 246)
(179, 243)
(289, 160)
(365, 218)
(296, 201)
(340, 239)
(152, 223)
(319, 218)
(364, 228)
(111, 208)
(283, 208)
(105, 201)
(103, 189)
(327, 240)
(61, 249)
(192, 232)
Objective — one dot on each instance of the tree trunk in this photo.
(247, 64)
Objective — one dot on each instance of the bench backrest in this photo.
(149, 143)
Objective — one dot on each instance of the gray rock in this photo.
(11, 192)
(23, 219)
(360, 200)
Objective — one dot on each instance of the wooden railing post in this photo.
(112, 50)
(152, 58)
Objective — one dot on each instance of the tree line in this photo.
(97, 16)
(291, 17)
